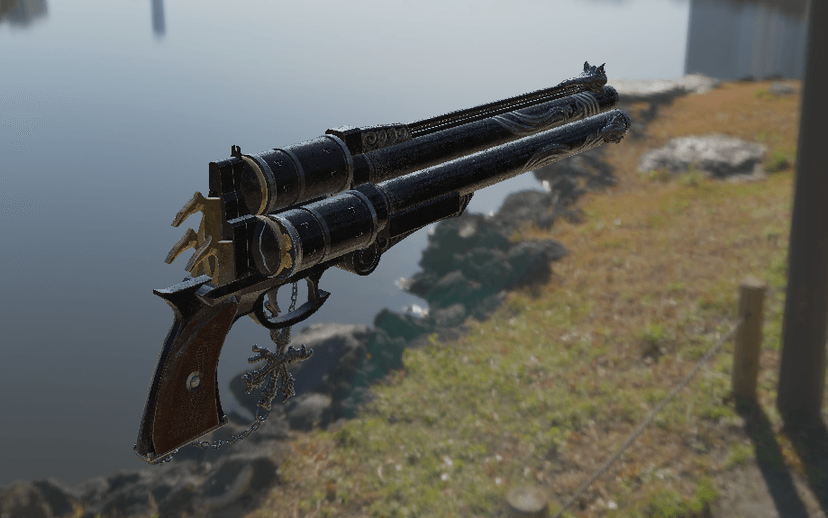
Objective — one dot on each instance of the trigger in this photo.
(316, 298)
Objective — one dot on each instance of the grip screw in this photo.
(193, 381)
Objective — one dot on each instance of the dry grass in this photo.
(545, 390)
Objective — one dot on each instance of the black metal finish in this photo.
(342, 199)
(349, 221)
(495, 165)
(347, 156)
(459, 141)
(592, 79)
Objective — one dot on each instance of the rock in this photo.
(530, 262)
(718, 155)
(24, 500)
(568, 180)
(657, 93)
(405, 326)
(470, 261)
(520, 207)
(128, 493)
(384, 355)
(59, 496)
(780, 89)
(480, 272)
(237, 486)
(487, 306)
(457, 236)
(350, 406)
(232, 486)
(453, 288)
(309, 411)
(663, 89)
(451, 316)
(337, 351)
(589, 166)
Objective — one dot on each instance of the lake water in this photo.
(110, 113)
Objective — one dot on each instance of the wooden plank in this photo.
(748, 339)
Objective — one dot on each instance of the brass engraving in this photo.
(212, 257)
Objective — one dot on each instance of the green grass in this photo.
(546, 389)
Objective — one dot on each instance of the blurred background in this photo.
(110, 113)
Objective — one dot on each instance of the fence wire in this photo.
(633, 436)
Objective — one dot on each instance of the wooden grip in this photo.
(183, 403)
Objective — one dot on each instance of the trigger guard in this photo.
(291, 318)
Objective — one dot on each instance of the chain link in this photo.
(204, 445)
(293, 296)
(633, 436)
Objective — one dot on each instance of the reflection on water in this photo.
(158, 26)
(22, 13)
(733, 39)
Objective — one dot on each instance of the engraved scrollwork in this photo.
(547, 155)
(520, 123)
(384, 136)
(612, 131)
(616, 128)
(525, 122)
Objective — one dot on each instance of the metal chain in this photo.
(293, 296)
(633, 436)
(259, 419)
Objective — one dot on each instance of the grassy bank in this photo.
(545, 390)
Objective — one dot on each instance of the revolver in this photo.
(341, 200)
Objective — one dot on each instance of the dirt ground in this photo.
(745, 493)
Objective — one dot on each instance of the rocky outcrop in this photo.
(663, 90)
(718, 155)
(657, 93)
(233, 485)
(469, 264)
(471, 259)
(228, 482)
(28, 499)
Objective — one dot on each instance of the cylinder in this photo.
(304, 236)
(282, 177)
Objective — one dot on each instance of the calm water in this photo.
(110, 113)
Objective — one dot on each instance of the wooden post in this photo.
(527, 502)
(748, 339)
(802, 369)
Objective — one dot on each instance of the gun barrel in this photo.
(591, 79)
(472, 173)
(345, 157)
(452, 143)
(301, 237)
